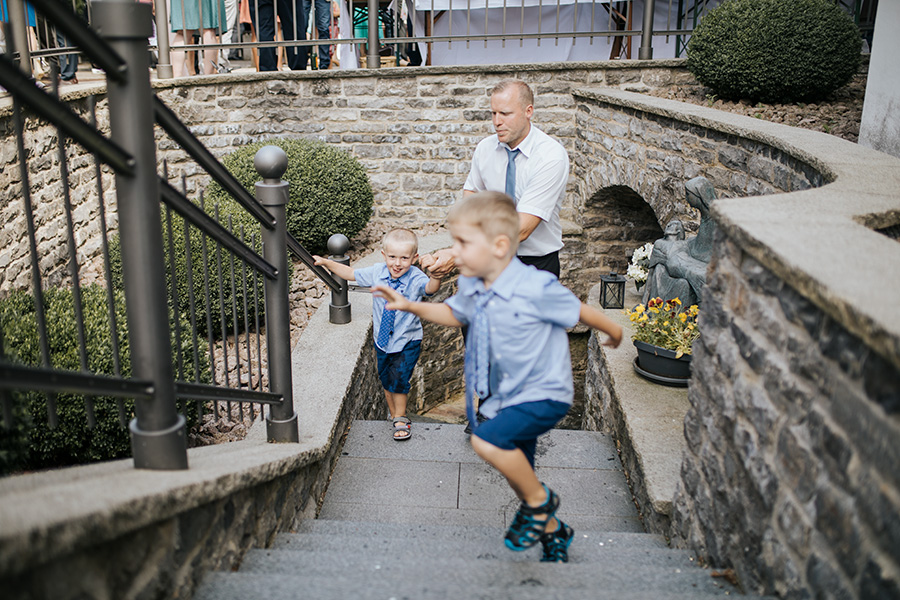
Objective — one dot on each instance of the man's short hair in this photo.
(494, 213)
(526, 96)
(400, 237)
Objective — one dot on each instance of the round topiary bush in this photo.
(775, 51)
(31, 443)
(330, 191)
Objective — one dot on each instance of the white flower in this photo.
(637, 273)
(642, 253)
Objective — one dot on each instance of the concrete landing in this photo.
(436, 478)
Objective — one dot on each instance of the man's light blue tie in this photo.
(387, 321)
(511, 173)
(477, 362)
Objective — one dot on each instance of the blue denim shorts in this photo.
(395, 369)
(519, 426)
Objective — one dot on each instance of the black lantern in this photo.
(612, 291)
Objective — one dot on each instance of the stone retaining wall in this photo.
(791, 473)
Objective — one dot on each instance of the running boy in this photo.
(517, 356)
(398, 336)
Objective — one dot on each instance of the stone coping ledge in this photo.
(820, 241)
(51, 513)
(84, 90)
(647, 422)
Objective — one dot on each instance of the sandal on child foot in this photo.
(526, 530)
(556, 544)
(401, 429)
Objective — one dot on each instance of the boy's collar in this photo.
(506, 282)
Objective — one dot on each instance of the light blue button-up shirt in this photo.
(529, 348)
(407, 326)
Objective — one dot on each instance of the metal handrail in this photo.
(157, 430)
(177, 130)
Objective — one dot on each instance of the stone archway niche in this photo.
(616, 221)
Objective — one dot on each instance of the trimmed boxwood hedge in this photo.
(330, 191)
(775, 50)
(31, 444)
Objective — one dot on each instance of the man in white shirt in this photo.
(528, 165)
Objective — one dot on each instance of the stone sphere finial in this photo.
(338, 244)
(271, 162)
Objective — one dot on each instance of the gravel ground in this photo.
(838, 115)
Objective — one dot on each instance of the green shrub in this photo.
(330, 191)
(775, 50)
(31, 444)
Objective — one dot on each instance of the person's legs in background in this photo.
(68, 63)
(262, 14)
(210, 37)
(297, 56)
(227, 24)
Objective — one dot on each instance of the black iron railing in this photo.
(399, 31)
(202, 296)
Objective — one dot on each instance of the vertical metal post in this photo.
(339, 309)
(373, 60)
(164, 66)
(18, 22)
(272, 192)
(158, 431)
(646, 50)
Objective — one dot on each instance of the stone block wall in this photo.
(791, 475)
(414, 129)
(47, 200)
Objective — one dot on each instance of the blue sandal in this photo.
(526, 530)
(556, 544)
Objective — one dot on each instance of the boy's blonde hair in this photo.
(401, 237)
(494, 213)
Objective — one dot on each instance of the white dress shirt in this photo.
(542, 171)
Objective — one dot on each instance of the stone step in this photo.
(583, 549)
(338, 562)
(462, 532)
(404, 515)
(631, 584)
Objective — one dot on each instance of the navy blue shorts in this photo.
(395, 369)
(519, 426)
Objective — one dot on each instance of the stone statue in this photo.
(678, 266)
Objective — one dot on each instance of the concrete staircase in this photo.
(425, 519)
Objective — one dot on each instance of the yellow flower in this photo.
(682, 317)
(676, 301)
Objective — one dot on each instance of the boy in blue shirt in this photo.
(398, 336)
(517, 356)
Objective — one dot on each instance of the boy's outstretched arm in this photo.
(433, 285)
(597, 320)
(345, 272)
(436, 312)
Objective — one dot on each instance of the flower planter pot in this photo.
(660, 365)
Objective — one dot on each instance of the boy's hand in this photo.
(614, 339)
(395, 300)
(439, 264)
(319, 260)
